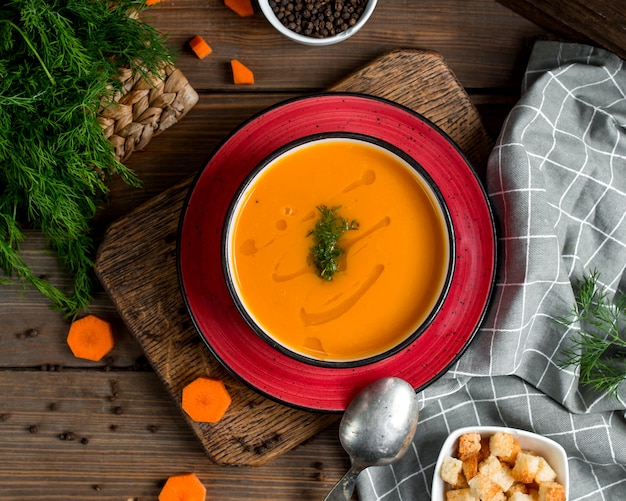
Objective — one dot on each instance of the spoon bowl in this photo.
(376, 429)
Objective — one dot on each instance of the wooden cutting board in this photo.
(136, 264)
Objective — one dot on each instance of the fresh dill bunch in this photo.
(59, 65)
(598, 349)
(327, 231)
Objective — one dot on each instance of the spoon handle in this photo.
(342, 491)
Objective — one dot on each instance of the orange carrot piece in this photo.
(205, 400)
(200, 47)
(185, 487)
(242, 75)
(152, 2)
(242, 7)
(90, 338)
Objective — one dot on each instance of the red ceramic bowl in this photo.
(203, 285)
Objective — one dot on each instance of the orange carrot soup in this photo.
(393, 267)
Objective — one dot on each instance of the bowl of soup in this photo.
(406, 286)
(338, 250)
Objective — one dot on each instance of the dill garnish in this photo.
(327, 231)
(59, 64)
(598, 350)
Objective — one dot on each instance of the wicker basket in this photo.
(144, 108)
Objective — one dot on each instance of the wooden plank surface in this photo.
(81, 434)
(599, 22)
(137, 265)
(486, 45)
(479, 39)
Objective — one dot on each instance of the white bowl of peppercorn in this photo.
(317, 22)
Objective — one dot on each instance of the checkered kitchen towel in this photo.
(557, 183)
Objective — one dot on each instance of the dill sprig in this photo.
(327, 231)
(598, 350)
(59, 64)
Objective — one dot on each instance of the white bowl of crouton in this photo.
(500, 464)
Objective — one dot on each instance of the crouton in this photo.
(520, 496)
(545, 473)
(470, 466)
(469, 445)
(517, 487)
(505, 478)
(490, 466)
(461, 495)
(526, 467)
(483, 487)
(551, 491)
(499, 472)
(485, 450)
(451, 470)
(504, 446)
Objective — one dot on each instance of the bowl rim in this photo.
(419, 173)
(541, 445)
(267, 11)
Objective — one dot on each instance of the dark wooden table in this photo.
(126, 436)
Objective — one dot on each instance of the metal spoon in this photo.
(376, 429)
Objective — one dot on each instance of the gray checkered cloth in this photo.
(557, 183)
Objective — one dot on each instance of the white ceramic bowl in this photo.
(308, 40)
(551, 451)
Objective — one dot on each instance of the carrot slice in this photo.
(242, 7)
(242, 75)
(205, 400)
(90, 338)
(152, 2)
(186, 487)
(200, 47)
